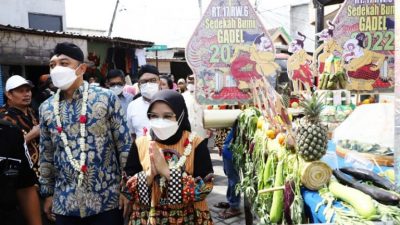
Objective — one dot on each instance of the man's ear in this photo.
(82, 69)
(8, 95)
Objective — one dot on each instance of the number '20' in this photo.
(220, 53)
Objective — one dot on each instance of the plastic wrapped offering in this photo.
(371, 125)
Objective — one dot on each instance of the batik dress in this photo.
(182, 200)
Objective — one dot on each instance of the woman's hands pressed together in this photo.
(157, 161)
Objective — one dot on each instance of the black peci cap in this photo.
(70, 50)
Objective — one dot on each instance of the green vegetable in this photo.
(342, 79)
(331, 85)
(389, 213)
(277, 200)
(325, 79)
(341, 215)
(268, 171)
(361, 202)
(322, 80)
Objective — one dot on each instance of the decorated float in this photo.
(293, 172)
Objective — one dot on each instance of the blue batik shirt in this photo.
(107, 141)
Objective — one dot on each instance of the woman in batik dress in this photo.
(170, 170)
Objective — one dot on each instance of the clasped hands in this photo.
(158, 164)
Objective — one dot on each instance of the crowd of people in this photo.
(94, 155)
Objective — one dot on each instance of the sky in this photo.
(168, 22)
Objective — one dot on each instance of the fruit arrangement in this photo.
(275, 165)
(312, 135)
(271, 172)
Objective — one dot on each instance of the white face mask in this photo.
(190, 87)
(164, 128)
(63, 77)
(117, 89)
(149, 89)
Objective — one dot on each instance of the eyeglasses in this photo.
(116, 83)
(167, 116)
(152, 80)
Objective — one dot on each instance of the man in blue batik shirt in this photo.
(81, 151)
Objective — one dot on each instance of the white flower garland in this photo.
(182, 159)
(80, 165)
(186, 153)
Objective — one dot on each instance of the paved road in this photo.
(219, 193)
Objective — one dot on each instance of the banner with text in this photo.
(365, 31)
(229, 52)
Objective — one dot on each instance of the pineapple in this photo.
(284, 91)
(311, 134)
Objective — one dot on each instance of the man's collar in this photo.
(145, 101)
(17, 110)
(78, 93)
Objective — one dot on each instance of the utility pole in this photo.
(319, 20)
(200, 8)
(113, 18)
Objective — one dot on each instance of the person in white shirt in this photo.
(149, 84)
(195, 110)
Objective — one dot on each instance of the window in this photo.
(45, 22)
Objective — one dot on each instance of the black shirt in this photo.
(15, 170)
(25, 122)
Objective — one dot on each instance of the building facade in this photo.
(43, 14)
(30, 29)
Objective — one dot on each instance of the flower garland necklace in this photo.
(80, 165)
(188, 149)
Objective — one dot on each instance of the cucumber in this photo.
(362, 203)
(268, 171)
(277, 200)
